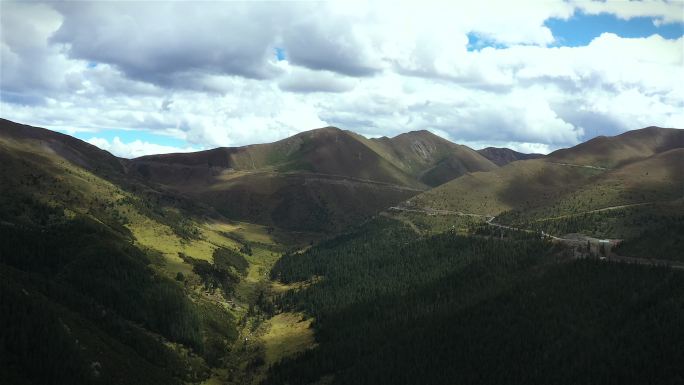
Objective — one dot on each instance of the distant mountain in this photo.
(617, 150)
(322, 179)
(641, 167)
(74, 150)
(503, 156)
(430, 158)
(329, 151)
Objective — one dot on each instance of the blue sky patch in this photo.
(280, 53)
(128, 136)
(478, 41)
(580, 29)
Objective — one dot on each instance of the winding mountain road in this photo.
(580, 165)
(577, 240)
(430, 211)
(596, 211)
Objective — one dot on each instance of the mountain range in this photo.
(319, 180)
(327, 179)
(636, 167)
(322, 179)
(279, 262)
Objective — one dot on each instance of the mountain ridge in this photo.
(338, 174)
(410, 153)
(502, 156)
(611, 151)
(274, 183)
(639, 167)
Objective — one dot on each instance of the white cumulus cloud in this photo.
(209, 75)
(134, 149)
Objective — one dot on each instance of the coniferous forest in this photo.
(392, 307)
(77, 294)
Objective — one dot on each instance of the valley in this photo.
(331, 258)
(342, 192)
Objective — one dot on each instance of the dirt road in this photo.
(575, 240)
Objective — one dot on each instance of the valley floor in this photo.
(264, 337)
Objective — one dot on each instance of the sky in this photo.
(137, 78)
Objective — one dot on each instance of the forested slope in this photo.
(392, 307)
(89, 265)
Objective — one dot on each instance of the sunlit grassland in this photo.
(288, 334)
(256, 280)
(278, 287)
(247, 231)
(63, 184)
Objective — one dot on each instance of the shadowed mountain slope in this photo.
(322, 179)
(324, 151)
(504, 156)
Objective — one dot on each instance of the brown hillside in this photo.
(326, 151)
(430, 158)
(648, 166)
(504, 156)
(74, 150)
(322, 179)
(621, 149)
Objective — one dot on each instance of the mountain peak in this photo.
(326, 129)
(423, 134)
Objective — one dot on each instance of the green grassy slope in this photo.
(147, 286)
